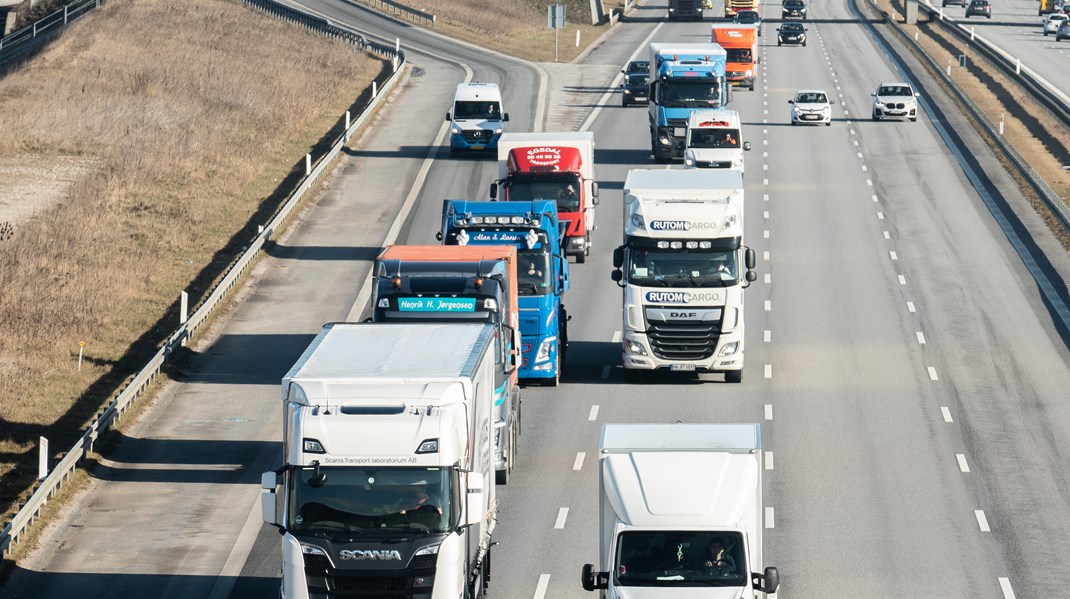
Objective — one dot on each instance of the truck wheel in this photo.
(581, 258)
(486, 571)
(501, 477)
(733, 376)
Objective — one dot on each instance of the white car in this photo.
(895, 101)
(1054, 20)
(811, 106)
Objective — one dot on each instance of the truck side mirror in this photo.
(493, 191)
(594, 191)
(767, 582)
(748, 258)
(593, 581)
(268, 499)
(746, 146)
(617, 276)
(505, 117)
(751, 276)
(448, 117)
(438, 236)
(618, 257)
(474, 499)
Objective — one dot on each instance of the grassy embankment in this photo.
(179, 121)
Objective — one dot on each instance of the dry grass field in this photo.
(138, 149)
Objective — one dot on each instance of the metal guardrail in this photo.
(18, 43)
(117, 406)
(1052, 97)
(398, 8)
(1041, 187)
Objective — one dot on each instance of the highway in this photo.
(906, 348)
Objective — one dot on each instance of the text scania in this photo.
(681, 297)
(381, 554)
(681, 225)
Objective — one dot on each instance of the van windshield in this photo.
(680, 559)
(739, 55)
(719, 137)
(490, 111)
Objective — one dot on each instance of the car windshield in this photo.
(794, 3)
(811, 98)
(638, 66)
(682, 267)
(746, 17)
(668, 558)
(791, 27)
(894, 90)
(477, 110)
(635, 80)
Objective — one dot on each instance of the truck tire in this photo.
(581, 258)
(733, 376)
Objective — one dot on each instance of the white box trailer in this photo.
(680, 509)
(388, 475)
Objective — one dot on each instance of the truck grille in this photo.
(683, 339)
(476, 135)
(737, 74)
(673, 123)
(329, 583)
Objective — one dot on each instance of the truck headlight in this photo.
(664, 140)
(728, 349)
(498, 131)
(750, 73)
(689, 161)
(544, 349)
(737, 162)
(631, 346)
(455, 130)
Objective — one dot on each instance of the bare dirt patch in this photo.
(30, 184)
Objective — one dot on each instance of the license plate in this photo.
(643, 98)
(811, 117)
(682, 367)
(476, 147)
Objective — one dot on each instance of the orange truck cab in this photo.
(455, 283)
(740, 42)
(552, 166)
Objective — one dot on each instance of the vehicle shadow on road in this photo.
(32, 584)
(199, 461)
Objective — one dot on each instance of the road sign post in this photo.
(555, 18)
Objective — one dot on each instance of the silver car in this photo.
(811, 106)
(895, 101)
(1052, 23)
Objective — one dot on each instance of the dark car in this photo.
(979, 8)
(749, 17)
(791, 33)
(793, 9)
(636, 66)
(635, 89)
(1064, 31)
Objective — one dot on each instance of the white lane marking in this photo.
(765, 255)
(874, 196)
(852, 131)
(880, 215)
(947, 414)
(579, 460)
(561, 515)
(768, 277)
(911, 308)
(765, 233)
(616, 336)
(767, 336)
(921, 337)
(765, 197)
(864, 168)
(765, 167)
(768, 411)
(765, 102)
(982, 521)
(768, 371)
(856, 142)
(765, 111)
(887, 235)
(860, 154)
(1005, 586)
(765, 154)
(769, 517)
(540, 588)
(902, 280)
(765, 182)
(963, 466)
(765, 214)
(765, 121)
(932, 374)
(765, 142)
(894, 255)
(605, 371)
(869, 182)
(594, 413)
(765, 132)
(768, 460)
(768, 305)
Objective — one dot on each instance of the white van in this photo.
(477, 118)
(714, 140)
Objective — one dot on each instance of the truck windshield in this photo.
(355, 501)
(720, 137)
(648, 267)
(680, 559)
(491, 111)
(690, 94)
(564, 188)
(739, 55)
(534, 273)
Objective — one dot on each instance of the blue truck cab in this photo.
(683, 77)
(477, 118)
(542, 272)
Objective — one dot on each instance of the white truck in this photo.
(683, 267)
(680, 513)
(555, 166)
(715, 140)
(387, 483)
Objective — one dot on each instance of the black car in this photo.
(791, 33)
(793, 9)
(635, 89)
(979, 8)
(749, 17)
(636, 66)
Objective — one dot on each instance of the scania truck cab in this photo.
(683, 268)
(542, 272)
